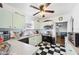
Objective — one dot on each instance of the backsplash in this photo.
(5, 29)
(5, 35)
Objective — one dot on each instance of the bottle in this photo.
(1, 39)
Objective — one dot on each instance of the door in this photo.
(61, 32)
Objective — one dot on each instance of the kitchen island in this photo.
(31, 39)
(20, 48)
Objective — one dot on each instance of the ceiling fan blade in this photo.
(47, 20)
(34, 7)
(1, 5)
(36, 13)
(50, 11)
(47, 4)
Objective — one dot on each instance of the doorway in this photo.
(61, 32)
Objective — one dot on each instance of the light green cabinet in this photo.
(11, 19)
(5, 18)
(35, 40)
(18, 21)
(32, 41)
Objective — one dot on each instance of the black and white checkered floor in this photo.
(46, 48)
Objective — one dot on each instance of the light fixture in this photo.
(42, 13)
(60, 18)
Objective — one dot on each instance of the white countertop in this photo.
(19, 48)
(28, 36)
(69, 49)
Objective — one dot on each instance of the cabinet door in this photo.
(35, 40)
(18, 21)
(5, 18)
(32, 41)
(38, 39)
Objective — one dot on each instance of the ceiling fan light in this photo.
(42, 13)
(44, 8)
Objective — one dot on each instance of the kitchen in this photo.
(12, 28)
(25, 34)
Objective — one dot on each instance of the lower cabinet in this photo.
(35, 40)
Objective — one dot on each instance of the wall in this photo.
(29, 20)
(63, 29)
(66, 18)
(12, 9)
(75, 15)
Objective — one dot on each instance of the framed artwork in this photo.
(60, 18)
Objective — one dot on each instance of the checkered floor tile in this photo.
(46, 48)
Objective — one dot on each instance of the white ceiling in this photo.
(59, 8)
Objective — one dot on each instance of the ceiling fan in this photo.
(42, 9)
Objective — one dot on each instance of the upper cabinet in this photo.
(18, 20)
(5, 18)
(11, 19)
